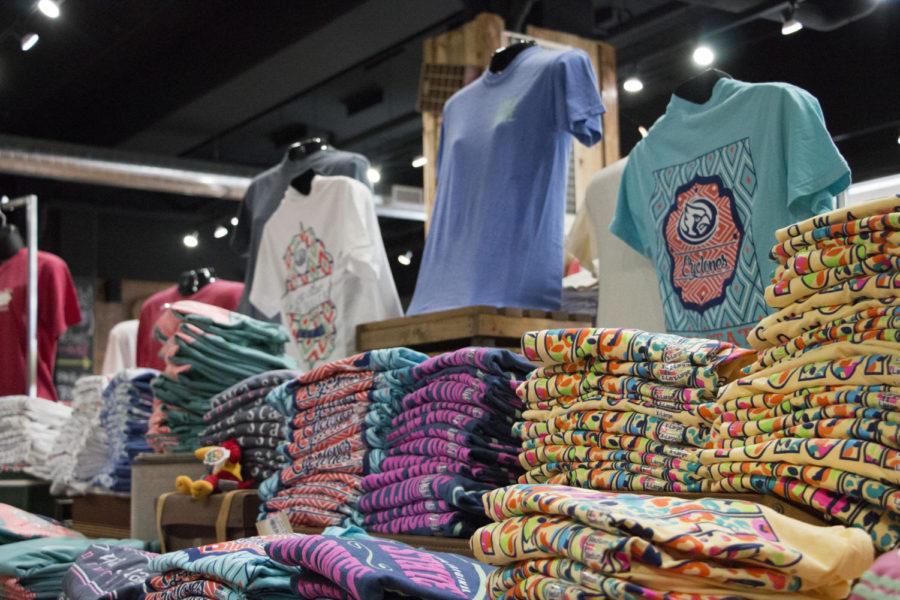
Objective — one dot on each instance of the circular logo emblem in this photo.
(698, 221)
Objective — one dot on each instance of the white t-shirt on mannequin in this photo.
(628, 293)
(322, 264)
(121, 348)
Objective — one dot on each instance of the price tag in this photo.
(277, 524)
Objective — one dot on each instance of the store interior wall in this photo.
(129, 75)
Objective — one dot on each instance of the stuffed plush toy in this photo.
(224, 462)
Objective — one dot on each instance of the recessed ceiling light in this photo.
(704, 56)
(29, 41)
(191, 240)
(373, 175)
(633, 85)
(49, 8)
(643, 131)
(234, 221)
(419, 161)
(220, 232)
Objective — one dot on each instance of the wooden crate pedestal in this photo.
(449, 330)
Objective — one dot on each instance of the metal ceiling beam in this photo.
(83, 164)
(26, 157)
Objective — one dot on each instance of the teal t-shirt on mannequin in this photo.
(704, 192)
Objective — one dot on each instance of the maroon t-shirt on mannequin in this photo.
(222, 293)
(57, 311)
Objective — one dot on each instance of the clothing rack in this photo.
(30, 203)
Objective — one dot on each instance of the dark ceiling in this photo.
(235, 82)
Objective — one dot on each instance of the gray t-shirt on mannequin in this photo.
(265, 194)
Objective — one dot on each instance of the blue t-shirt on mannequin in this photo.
(496, 235)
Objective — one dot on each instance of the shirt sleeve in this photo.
(58, 302)
(240, 239)
(268, 281)
(361, 246)
(624, 225)
(578, 104)
(816, 171)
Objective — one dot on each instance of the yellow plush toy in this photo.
(224, 462)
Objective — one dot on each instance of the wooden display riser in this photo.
(448, 330)
(432, 543)
(102, 515)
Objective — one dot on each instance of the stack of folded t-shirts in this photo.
(241, 413)
(339, 416)
(816, 419)
(80, 448)
(28, 431)
(562, 542)
(235, 569)
(451, 441)
(347, 563)
(17, 525)
(127, 402)
(107, 572)
(881, 581)
(207, 349)
(620, 409)
(34, 569)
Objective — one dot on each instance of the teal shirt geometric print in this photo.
(702, 207)
(704, 192)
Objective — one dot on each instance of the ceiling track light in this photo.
(419, 162)
(220, 232)
(791, 24)
(29, 41)
(49, 8)
(191, 240)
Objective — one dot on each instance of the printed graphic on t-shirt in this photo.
(708, 275)
(5, 299)
(307, 303)
(703, 235)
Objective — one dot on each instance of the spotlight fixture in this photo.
(220, 232)
(234, 221)
(405, 259)
(49, 8)
(643, 131)
(373, 175)
(791, 24)
(29, 41)
(419, 162)
(633, 85)
(191, 240)
(704, 56)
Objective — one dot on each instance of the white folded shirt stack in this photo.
(79, 451)
(29, 428)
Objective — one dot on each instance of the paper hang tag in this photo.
(275, 524)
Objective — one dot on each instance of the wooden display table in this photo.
(471, 326)
(102, 515)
